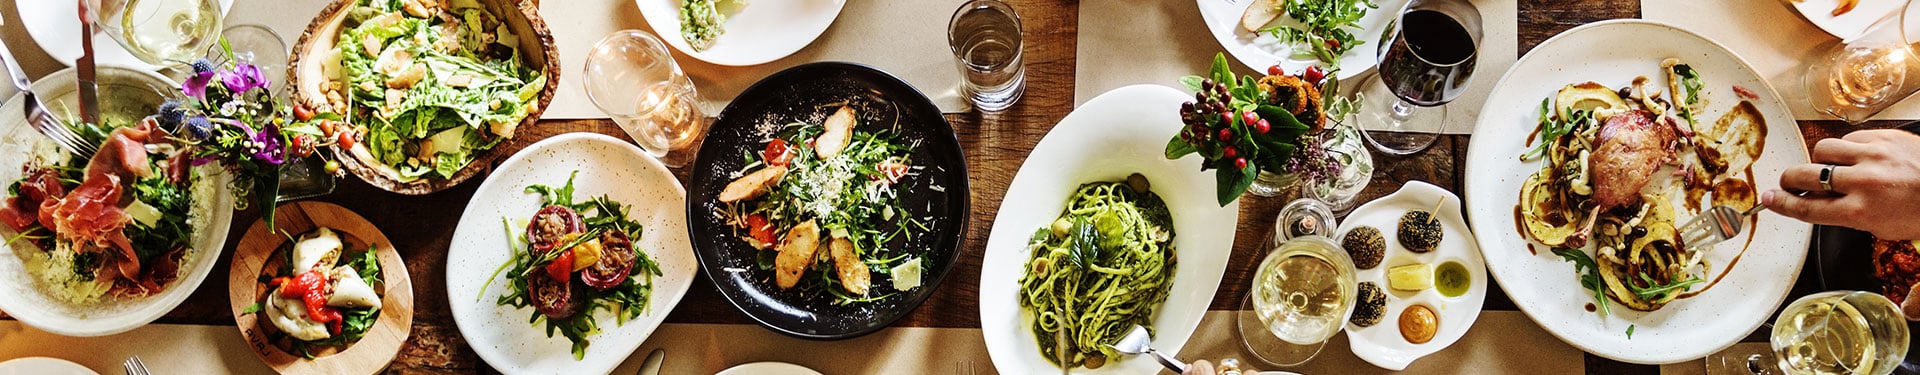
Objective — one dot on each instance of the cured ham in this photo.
(93, 216)
(23, 211)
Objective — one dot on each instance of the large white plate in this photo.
(43, 366)
(760, 32)
(1114, 135)
(1382, 344)
(1852, 24)
(55, 26)
(1544, 286)
(1223, 21)
(768, 368)
(22, 296)
(608, 166)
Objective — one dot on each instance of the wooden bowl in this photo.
(306, 74)
(258, 249)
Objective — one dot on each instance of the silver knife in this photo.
(89, 90)
(652, 365)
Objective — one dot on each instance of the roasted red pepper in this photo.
(561, 266)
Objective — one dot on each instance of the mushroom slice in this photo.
(753, 184)
(796, 253)
(839, 130)
(854, 276)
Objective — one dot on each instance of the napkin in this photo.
(1161, 41)
(1771, 36)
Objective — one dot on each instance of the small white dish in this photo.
(1258, 52)
(608, 166)
(55, 26)
(1382, 344)
(768, 368)
(1851, 24)
(760, 32)
(43, 366)
(1116, 134)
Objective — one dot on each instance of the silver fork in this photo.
(1138, 341)
(133, 366)
(1715, 225)
(37, 114)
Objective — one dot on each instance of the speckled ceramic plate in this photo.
(608, 166)
(937, 194)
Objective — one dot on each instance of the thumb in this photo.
(1812, 209)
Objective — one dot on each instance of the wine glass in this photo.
(1427, 56)
(1301, 296)
(1860, 77)
(162, 32)
(632, 77)
(1835, 332)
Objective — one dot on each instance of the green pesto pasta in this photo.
(1104, 266)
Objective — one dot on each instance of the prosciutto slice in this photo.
(93, 216)
(40, 186)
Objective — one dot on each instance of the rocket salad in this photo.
(429, 84)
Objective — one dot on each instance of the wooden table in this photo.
(996, 144)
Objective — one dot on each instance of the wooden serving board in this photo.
(256, 250)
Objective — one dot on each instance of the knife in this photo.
(89, 90)
(652, 365)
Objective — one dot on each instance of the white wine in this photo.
(1304, 290)
(1840, 333)
(166, 31)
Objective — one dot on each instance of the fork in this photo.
(37, 112)
(1138, 341)
(133, 366)
(1717, 224)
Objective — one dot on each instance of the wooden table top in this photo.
(996, 144)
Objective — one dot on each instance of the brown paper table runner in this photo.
(1771, 36)
(1160, 41)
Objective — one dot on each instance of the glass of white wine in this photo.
(1301, 296)
(1840, 332)
(632, 77)
(1862, 76)
(162, 32)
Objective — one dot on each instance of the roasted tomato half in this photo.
(551, 223)
(616, 261)
(553, 298)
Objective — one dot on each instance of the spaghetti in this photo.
(1104, 266)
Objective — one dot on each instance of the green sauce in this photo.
(1451, 279)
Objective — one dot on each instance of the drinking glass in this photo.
(1840, 332)
(1302, 294)
(1427, 56)
(632, 77)
(1863, 76)
(162, 32)
(258, 45)
(1341, 191)
(985, 36)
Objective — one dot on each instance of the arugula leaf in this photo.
(1690, 81)
(1658, 291)
(1589, 275)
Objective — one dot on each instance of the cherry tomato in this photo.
(302, 113)
(1275, 70)
(344, 138)
(561, 266)
(1333, 43)
(1314, 75)
(326, 126)
(760, 229)
(778, 153)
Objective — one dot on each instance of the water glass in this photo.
(632, 77)
(985, 36)
(1867, 74)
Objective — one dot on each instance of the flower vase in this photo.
(1269, 184)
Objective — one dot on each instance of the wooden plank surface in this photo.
(421, 227)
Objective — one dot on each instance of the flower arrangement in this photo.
(231, 116)
(1243, 125)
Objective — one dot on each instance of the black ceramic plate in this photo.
(1844, 258)
(938, 194)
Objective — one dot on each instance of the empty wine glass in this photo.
(1867, 74)
(632, 77)
(1427, 56)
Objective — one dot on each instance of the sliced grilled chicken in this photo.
(796, 253)
(753, 184)
(854, 276)
(839, 130)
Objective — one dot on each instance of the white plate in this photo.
(768, 368)
(43, 366)
(20, 292)
(608, 166)
(760, 32)
(1850, 25)
(55, 26)
(1223, 21)
(1114, 135)
(1546, 287)
(1382, 343)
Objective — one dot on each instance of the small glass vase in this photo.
(1269, 184)
(1346, 146)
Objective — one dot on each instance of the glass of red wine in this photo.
(1427, 56)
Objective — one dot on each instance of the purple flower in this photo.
(243, 77)
(196, 86)
(265, 145)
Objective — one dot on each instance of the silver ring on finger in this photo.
(1826, 177)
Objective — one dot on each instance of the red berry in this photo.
(1314, 75)
(1226, 118)
(1240, 163)
(1230, 153)
(1226, 133)
(1275, 70)
(1249, 118)
(1261, 126)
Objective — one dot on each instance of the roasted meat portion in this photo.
(1629, 148)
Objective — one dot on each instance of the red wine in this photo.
(1429, 59)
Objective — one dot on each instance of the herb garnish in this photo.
(1324, 27)
(625, 301)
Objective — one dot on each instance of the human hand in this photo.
(1227, 367)
(1875, 180)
